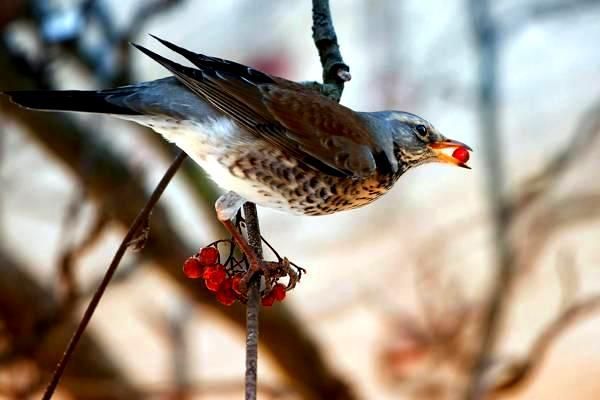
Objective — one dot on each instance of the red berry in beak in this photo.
(192, 268)
(208, 256)
(461, 154)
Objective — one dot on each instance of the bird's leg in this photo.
(287, 267)
(227, 207)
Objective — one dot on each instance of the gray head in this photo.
(416, 141)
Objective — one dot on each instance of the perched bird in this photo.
(263, 138)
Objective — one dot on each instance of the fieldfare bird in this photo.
(266, 139)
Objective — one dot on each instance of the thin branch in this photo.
(133, 231)
(335, 71)
(335, 74)
(536, 186)
(253, 304)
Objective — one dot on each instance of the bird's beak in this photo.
(439, 147)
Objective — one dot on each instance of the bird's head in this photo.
(416, 142)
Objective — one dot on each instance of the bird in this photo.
(265, 139)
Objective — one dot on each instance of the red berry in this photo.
(268, 300)
(192, 268)
(208, 271)
(225, 294)
(226, 284)
(279, 292)
(215, 278)
(208, 255)
(461, 154)
(218, 275)
(235, 283)
(211, 285)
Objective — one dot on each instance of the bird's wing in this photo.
(311, 127)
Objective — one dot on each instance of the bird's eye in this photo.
(421, 131)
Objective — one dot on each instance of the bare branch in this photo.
(335, 71)
(335, 74)
(486, 36)
(523, 370)
(253, 304)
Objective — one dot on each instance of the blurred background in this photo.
(486, 279)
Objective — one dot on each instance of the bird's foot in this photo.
(269, 272)
(272, 271)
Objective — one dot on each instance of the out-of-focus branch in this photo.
(503, 212)
(552, 218)
(539, 184)
(108, 57)
(536, 218)
(486, 37)
(37, 331)
(522, 371)
(121, 194)
(526, 12)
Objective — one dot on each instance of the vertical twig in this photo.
(486, 37)
(253, 304)
(335, 74)
(335, 71)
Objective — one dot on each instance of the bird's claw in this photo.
(258, 269)
(271, 271)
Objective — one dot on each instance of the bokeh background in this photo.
(399, 295)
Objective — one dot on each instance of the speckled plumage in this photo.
(263, 174)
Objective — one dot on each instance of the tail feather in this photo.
(71, 100)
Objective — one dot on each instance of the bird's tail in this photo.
(102, 101)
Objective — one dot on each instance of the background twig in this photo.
(486, 37)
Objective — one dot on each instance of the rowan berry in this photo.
(208, 255)
(192, 268)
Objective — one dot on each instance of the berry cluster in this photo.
(225, 278)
